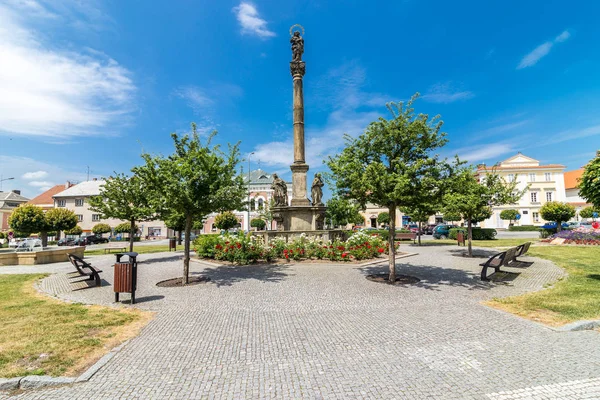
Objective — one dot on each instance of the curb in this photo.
(41, 381)
(584, 325)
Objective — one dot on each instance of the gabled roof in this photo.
(572, 177)
(46, 197)
(11, 196)
(258, 176)
(520, 159)
(83, 189)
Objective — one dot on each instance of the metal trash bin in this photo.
(172, 244)
(125, 275)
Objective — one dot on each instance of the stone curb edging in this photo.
(583, 325)
(40, 381)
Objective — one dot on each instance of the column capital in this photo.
(297, 68)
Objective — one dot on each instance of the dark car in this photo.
(428, 229)
(65, 242)
(442, 231)
(552, 225)
(94, 239)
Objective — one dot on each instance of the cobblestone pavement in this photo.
(324, 331)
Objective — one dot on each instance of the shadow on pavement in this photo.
(145, 299)
(161, 259)
(227, 275)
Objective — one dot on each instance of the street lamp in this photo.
(248, 209)
(5, 179)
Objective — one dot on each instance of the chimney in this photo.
(68, 184)
(16, 191)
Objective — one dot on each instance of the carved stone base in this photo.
(299, 185)
(299, 218)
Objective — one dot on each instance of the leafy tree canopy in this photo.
(258, 223)
(589, 184)
(226, 220)
(99, 229)
(383, 218)
(509, 215)
(558, 212)
(125, 227)
(342, 212)
(588, 212)
(75, 231)
(28, 218)
(60, 219)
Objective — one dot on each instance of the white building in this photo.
(543, 182)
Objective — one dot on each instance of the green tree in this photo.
(100, 229)
(420, 212)
(126, 198)
(341, 212)
(448, 217)
(509, 215)
(589, 183)
(125, 227)
(28, 219)
(588, 212)
(266, 213)
(558, 212)
(383, 218)
(60, 219)
(176, 222)
(386, 164)
(226, 220)
(75, 231)
(196, 180)
(472, 199)
(258, 223)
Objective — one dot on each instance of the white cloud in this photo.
(52, 92)
(40, 184)
(250, 21)
(195, 97)
(485, 152)
(35, 175)
(445, 93)
(542, 50)
(571, 134)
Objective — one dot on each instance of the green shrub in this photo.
(205, 245)
(523, 228)
(478, 233)
(544, 233)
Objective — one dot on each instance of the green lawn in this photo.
(43, 336)
(574, 298)
(141, 249)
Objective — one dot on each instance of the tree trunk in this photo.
(44, 236)
(392, 245)
(419, 233)
(179, 235)
(57, 237)
(186, 250)
(470, 235)
(558, 226)
(131, 234)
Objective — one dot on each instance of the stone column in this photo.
(299, 167)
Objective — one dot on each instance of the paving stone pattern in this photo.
(324, 331)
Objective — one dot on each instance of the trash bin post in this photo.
(125, 275)
(172, 244)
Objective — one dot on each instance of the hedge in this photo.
(385, 234)
(478, 233)
(524, 228)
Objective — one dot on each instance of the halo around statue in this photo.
(299, 28)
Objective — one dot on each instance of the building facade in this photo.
(542, 183)
(572, 191)
(76, 199)
(259, 199)
(8, 202)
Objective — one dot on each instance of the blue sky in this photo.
(92, 83)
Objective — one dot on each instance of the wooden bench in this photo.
(506, 258)
(81, 267)
(408, 236)
(115, 246)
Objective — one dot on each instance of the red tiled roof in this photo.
(46, 197)
(571, 178)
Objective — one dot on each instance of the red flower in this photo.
(380, 250)
(218, 247)
(341, 248)
(239, 245)
(344, 255)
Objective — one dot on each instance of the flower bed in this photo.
(578, 236)
(247, 249)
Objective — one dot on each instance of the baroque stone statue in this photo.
(297, 46)
(279, 191)
(316, 190)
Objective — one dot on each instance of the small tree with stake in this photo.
(558, 212)
(126, 198)
(100, 229)
(60, 219)
(226, 220)
(258, 224)
(386, 164)
(383, 218)
(196, 180)
(341, 212)
(28, 219)
(509, 215)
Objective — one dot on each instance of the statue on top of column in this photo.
(279, 191)
(297, 46)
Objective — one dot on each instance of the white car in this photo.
(29, 245)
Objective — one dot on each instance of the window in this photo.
(531, 177)
(95, 217)
(61, 203)
(261, 204)
(548, 196)
(79, 217)
(511, 177)
(78, 202)
(534, 197)
(548, 176)
(252, 205)
(536, 216)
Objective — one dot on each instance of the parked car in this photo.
(95, 239)
(442, 231)
(428, 229)
(552, 225)
(79, 242)
(14, 242)
(414, 228)
(65, 242)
